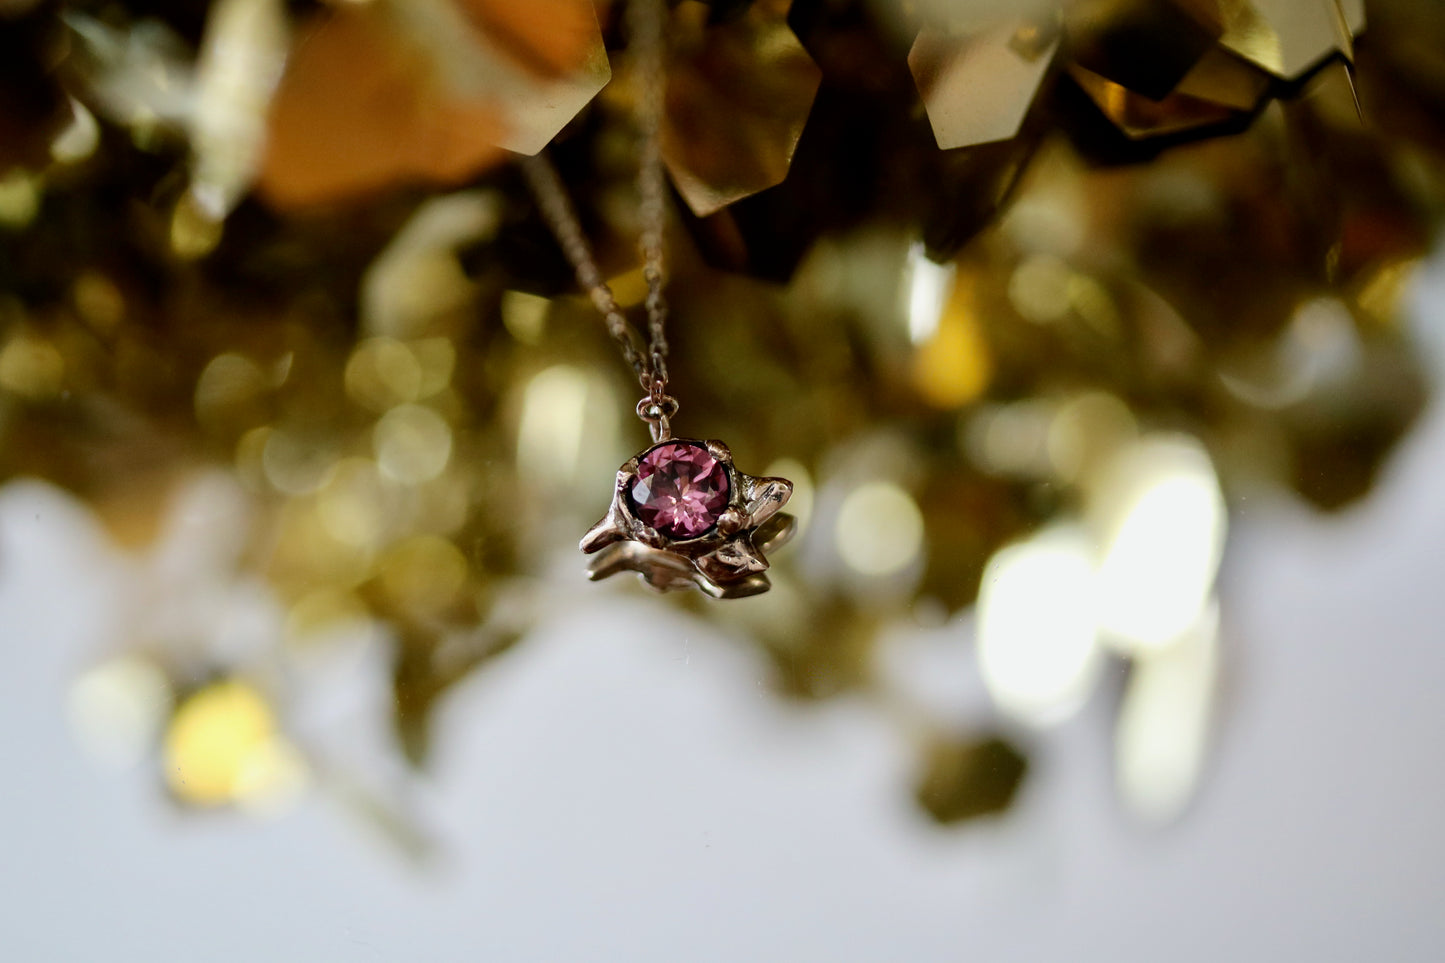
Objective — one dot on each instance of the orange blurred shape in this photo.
(548, 37)
(358, 111)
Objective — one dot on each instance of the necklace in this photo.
(682, 515)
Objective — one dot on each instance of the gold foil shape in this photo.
(738, 96)
(355, 113)
(429, 90)
(1288, 37)
(977, 87)
(1147, 46)
(1221, 77)
(542, 61)
(1139, 117)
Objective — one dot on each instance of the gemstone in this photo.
(680, 490)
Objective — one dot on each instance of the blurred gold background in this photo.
(1028, 299)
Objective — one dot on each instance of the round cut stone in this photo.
(681, 490)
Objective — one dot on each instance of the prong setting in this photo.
(723, 559)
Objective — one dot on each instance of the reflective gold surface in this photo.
(978, 87)
(738, 94)
(1286, 37)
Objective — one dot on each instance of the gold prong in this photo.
(764, 496)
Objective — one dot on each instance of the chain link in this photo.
(648, 362)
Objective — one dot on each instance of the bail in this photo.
(657, 410)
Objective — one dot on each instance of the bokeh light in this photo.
(357, 503)
(1162, 732)
(1162, 522)
(223, 747)
(80, 137)
(1037, 625)
(929, 285)
(296, 462)
(568, 422)
(117, 708)
(879, 530)
(31, 367)
(382, 373)
(413, 443)
(424, 573)
(1039, 288)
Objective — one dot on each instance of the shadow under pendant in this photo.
(682, 516)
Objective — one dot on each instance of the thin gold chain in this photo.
(649, 361)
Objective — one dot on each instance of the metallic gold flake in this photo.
(977, 87)
(1288, 37)
(738, 96)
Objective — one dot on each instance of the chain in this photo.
(649, 361)
(552, 198)
(645, 18)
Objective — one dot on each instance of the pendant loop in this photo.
(657, 410)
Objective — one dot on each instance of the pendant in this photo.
(682, 516)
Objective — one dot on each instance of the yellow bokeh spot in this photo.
(19, 199)
(525, 315)
(424, 573)
(222, 747)
(296, 463)
(1095, 305)
(324, 613)
(195, 231)
(31, 367)
(1039, 288)
(952, 368)
(413, 444)
(250, 457)
(98, 300)
(879, 530)
(441, 506)
(229, 384)
(80, 137)
(307, 554)
(552, 429)
(356, 504)
(436, 358)
(382, 373)
(1380, 297)
(629, 287)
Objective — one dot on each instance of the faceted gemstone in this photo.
(680, 491)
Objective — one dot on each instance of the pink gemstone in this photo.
(680, 490)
